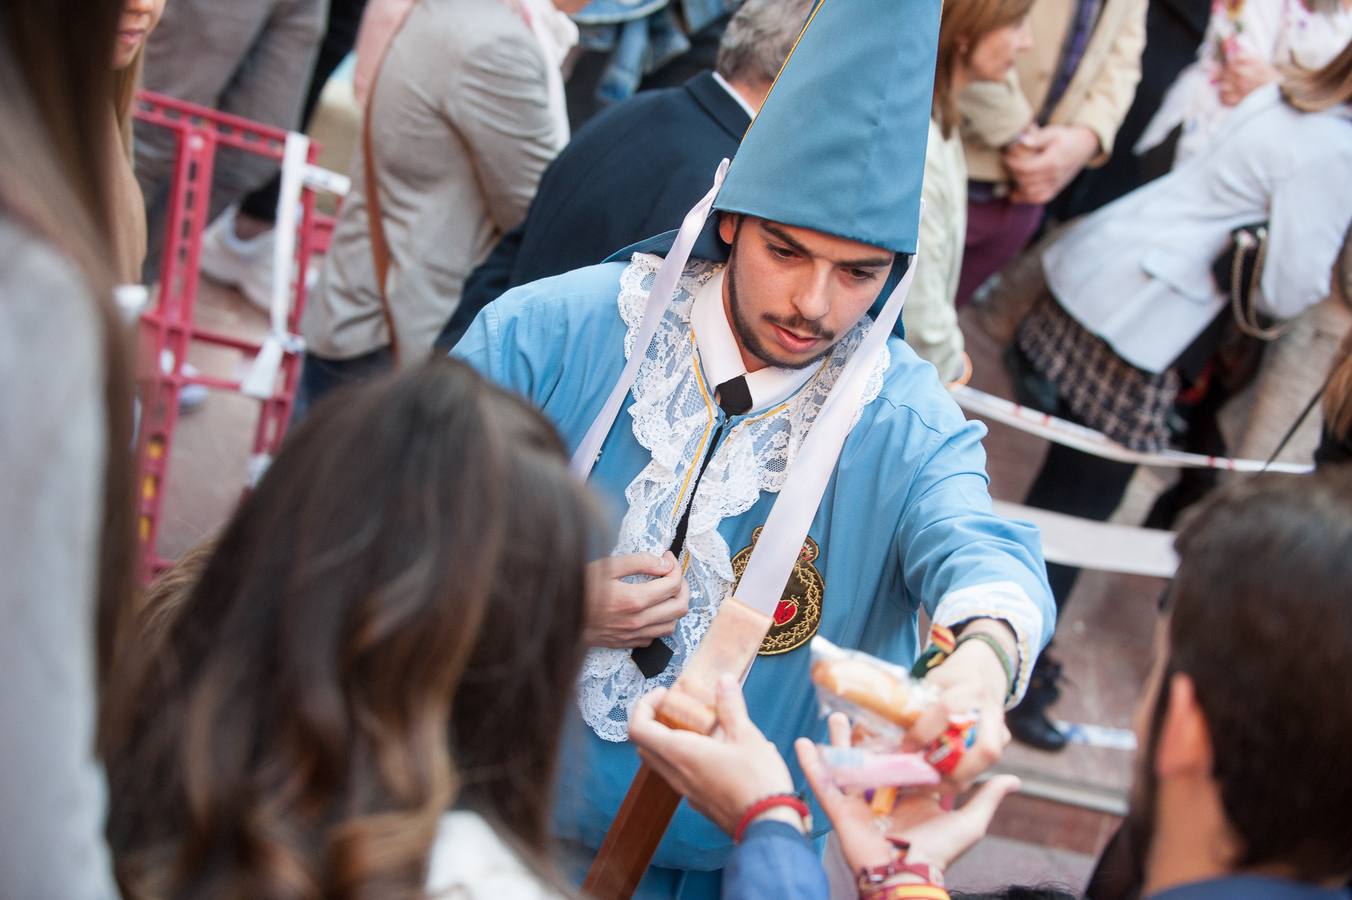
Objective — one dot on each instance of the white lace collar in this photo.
(673, 413)
(721, 358)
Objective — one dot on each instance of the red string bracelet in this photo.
(792, 801)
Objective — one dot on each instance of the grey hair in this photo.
(758, 39)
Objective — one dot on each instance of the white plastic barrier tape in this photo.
(1087, 440)
(262, 377)
(1085, 544)
(327, 181)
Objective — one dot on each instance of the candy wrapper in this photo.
(881, 699)
(854, 768)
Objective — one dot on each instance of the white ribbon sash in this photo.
(664, 285)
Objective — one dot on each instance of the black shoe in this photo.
(1028, 721)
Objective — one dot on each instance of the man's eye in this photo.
(863, 274)
(781, 252)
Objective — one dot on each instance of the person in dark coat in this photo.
(634, 170)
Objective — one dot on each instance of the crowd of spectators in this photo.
(359, 687)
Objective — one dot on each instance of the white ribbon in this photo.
(261, 381)
(1087, 440)
(664, 285)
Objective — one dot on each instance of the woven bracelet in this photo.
(1000, 654)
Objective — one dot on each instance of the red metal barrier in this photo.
(168, 327)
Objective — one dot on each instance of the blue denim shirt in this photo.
(1251, 887)
(641, 36)
(775, 861)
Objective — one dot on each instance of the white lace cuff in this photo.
(1008, 602)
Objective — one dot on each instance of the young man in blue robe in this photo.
(816, 223)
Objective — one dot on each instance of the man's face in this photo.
(792, 293)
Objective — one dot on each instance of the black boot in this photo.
(1028, 721)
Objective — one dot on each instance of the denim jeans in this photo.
(319, 377)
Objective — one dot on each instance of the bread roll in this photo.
(867, 686)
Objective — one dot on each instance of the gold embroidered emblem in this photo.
(799, 613)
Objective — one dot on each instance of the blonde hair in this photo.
(966, 22)
(1324, 88)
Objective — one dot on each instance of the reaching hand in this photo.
(721, 775)
(1044, 160)
(972, 680)
(1241, 74)
(936, 836)
(622, 614)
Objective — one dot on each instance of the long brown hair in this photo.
(55, 99)
(391, 624)
(126, 82)
(962, 25)
(1323, 88)
(1338, 395)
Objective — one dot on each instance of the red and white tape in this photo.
(1087, 440)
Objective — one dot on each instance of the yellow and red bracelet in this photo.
(904, 891)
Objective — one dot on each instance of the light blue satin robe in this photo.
(905, 521)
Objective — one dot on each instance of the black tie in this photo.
(734, 397)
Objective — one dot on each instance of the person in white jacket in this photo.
(1129, 288)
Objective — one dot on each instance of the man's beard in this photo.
(752, 344)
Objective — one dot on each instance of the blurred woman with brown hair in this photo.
(389, 629)
(1335, 445)
(65, 433)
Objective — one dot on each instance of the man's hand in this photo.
(623, 614)
(1044, 160)
(1241, 74)
(722, 775)
(972, 680)
(936, 836)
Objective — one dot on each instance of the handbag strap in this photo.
(1241, 300)
(375, 220)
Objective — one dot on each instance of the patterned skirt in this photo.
(1104, 392)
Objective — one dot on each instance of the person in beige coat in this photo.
(463, 124)
(1059, 112)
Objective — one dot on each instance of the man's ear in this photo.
(1184, 745)
(727, 226)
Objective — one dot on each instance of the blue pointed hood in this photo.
(839, 146)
